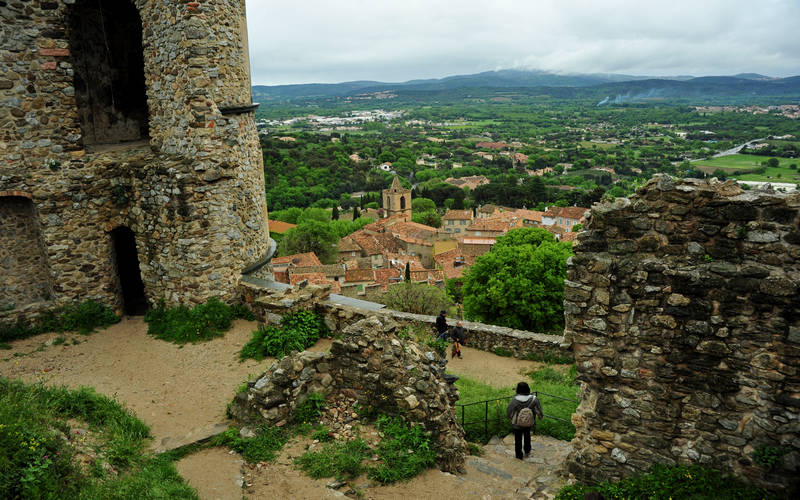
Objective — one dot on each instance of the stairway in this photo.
(498, 474)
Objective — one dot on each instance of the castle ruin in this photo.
(130, 167)
(682, 306)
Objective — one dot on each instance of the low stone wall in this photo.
(269, 305)
(370, 364)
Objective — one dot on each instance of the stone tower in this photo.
(130, 166)
(397, 200)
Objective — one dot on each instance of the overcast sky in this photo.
(326, 41)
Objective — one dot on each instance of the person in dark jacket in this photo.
(441, 326)
(522, 435)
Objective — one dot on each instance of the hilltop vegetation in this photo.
(593, 151)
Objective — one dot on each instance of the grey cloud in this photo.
(388, 40)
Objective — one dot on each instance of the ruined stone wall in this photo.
(683, 310)
(23, 269)
(371, 365)
(193, 194)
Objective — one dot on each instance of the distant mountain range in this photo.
(616, 87)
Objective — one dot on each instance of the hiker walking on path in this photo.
(459, 339)
(441, 326)
(523, 410)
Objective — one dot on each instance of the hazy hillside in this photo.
(617, 88)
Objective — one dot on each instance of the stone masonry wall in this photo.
(193, 196)
(370, 364)
(23, 269)
(683, 310)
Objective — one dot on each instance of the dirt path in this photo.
(181, 392)
(489, 368)
(174, 389)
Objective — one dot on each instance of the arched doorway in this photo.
(105, 39)
(128, 272)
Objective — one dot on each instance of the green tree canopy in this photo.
(520, 282)
(429, 218)
(417, 298)
(310, 236)
(422, 205)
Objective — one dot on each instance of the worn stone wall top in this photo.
(683, 310)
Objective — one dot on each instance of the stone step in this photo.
(537, 476)
(199, 435)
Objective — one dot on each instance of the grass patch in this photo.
(83, 317)
(202, 322)
(263, 447)
(555, 380)
(297, 332)
(37, 458)
(341, 460)
(405, 450)
(692, 481)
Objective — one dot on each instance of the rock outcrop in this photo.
(372, 365)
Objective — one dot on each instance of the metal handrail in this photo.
(500, 418)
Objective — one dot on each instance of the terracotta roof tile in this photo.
(457, 215)
(280, 227)
(530, 215)
(298, 259)
(359, 275)
(566, 212)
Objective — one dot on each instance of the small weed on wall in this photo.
(297, 332)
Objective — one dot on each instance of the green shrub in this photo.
(341, 460)
(322, 434)
(82, 317)
(202, 322)
(405, 450)
(440, 346)
(692, 481)
(297, 332)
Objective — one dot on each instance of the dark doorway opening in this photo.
(105, 39)
(130, 277)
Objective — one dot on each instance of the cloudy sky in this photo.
(325, 41)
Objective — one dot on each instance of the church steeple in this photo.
(397, 200)
(396, 184)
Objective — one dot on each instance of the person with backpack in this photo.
(523, 410)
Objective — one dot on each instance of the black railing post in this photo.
(486, 419)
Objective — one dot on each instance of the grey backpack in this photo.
(523, 418)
